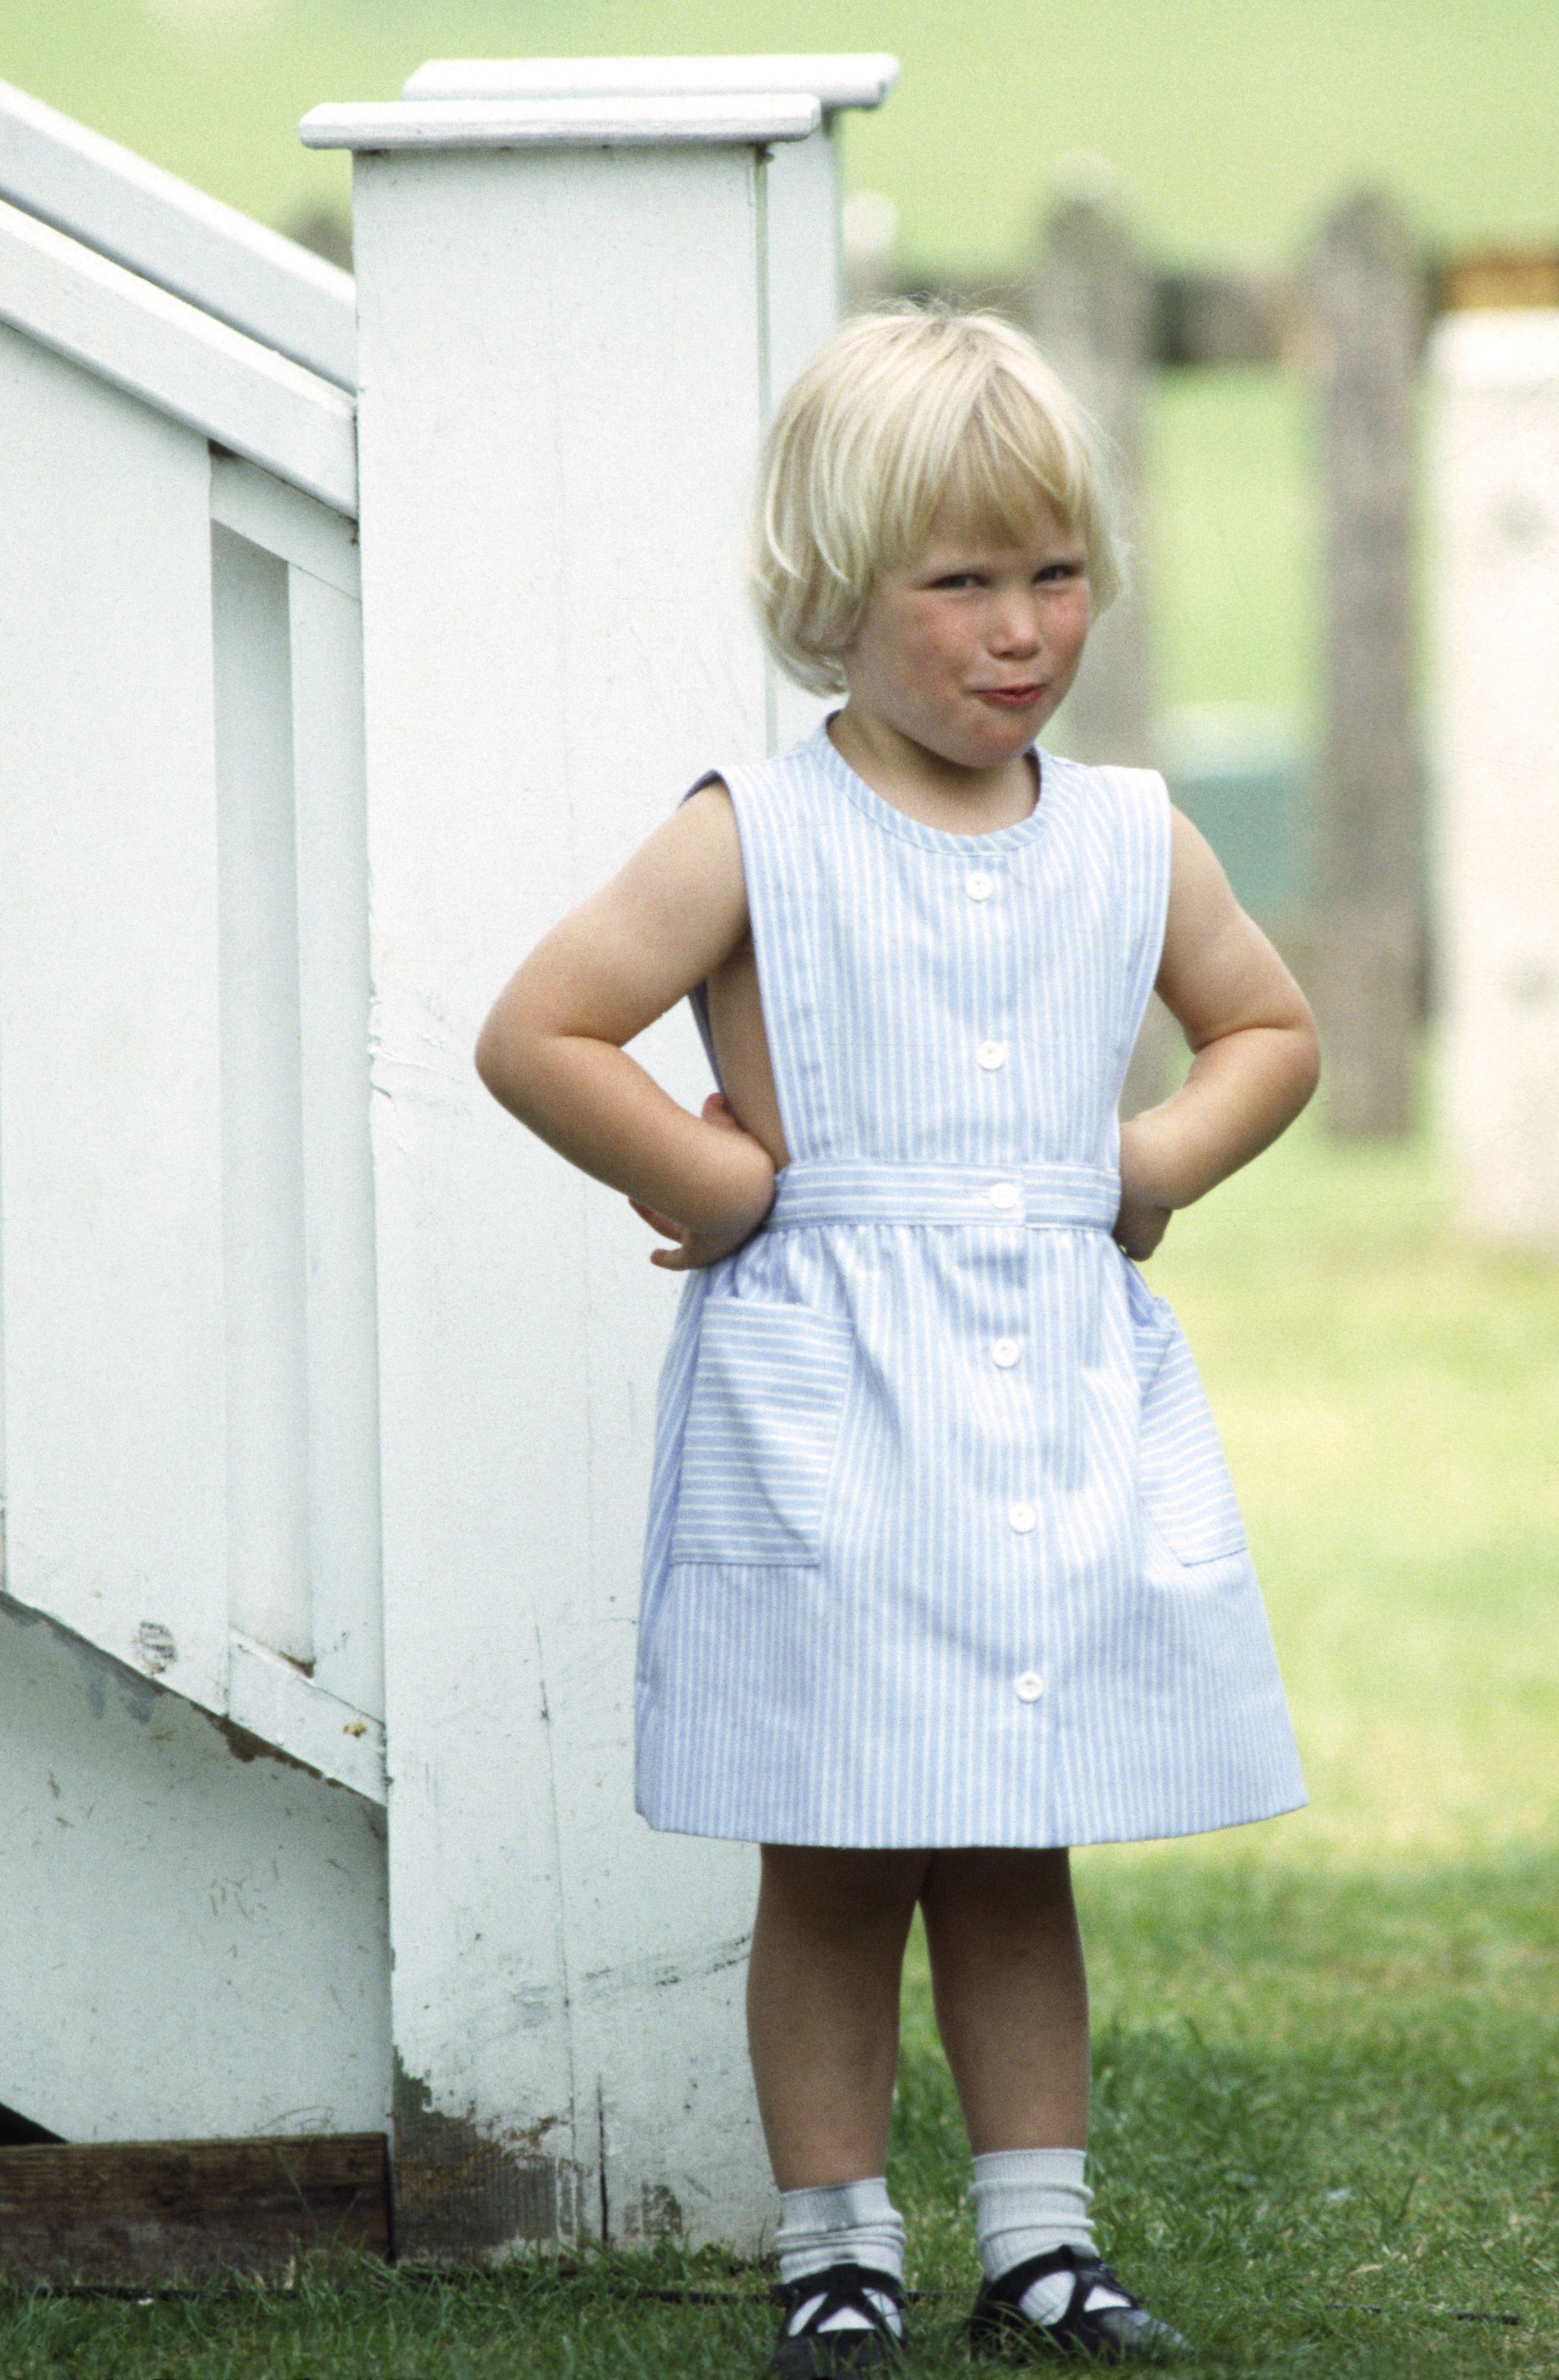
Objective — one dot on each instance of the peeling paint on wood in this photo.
(461, 2193)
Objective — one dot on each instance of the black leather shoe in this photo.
(1112, 2334)
(813, 2353)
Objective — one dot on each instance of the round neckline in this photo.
(936, 838)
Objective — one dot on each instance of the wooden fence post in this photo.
(1368, 307)
(1494, 483)
(1089, 304)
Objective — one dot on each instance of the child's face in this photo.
(969, 649)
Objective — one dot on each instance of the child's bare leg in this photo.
(1011, 1995)
(822, 2006)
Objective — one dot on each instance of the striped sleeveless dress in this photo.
(941, 1545)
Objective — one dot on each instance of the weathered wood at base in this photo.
(184, 2210)
(1369, 299)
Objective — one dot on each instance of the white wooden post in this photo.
(562, 323)
(801, 259)
(1494, 487)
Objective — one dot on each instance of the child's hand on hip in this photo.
(1139, 1226)
(1144, 1211)
(696, 1249)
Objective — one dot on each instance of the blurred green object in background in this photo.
(1235, 771)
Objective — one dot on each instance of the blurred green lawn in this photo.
(1326, 2049)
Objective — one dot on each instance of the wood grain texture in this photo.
(170, 2210)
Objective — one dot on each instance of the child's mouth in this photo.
(1010, 697)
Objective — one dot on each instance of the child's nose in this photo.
(1016, 628)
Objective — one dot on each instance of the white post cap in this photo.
(835, 82)
(659, 119)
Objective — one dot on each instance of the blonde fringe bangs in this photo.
(902, 413)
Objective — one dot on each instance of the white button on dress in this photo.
(1022, 1516)
(1003, 1193)
(1004, 1352)
(991, 1055)
(978, 885)
(1029, 1686)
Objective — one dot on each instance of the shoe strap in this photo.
(1088, 2272)
(840, 2289)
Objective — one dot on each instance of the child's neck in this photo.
(934, 791)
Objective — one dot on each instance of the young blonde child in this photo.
(944, 1573)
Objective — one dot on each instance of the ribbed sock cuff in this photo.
(846, 2223)
(1028, 2203)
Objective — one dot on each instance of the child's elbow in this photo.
(1306, 1061)
(499, 1061)
(485, 1057)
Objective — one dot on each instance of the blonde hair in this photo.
(904, 411)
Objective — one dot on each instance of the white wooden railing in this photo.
(191, 1466)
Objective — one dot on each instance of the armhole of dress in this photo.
(1145, 833)
(698, 999)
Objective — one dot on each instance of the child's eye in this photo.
(1058, 570)
(957, 578)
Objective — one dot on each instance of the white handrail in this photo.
(175, 358)
(173, 234)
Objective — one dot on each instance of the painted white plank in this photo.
(343, 1377)
(193, 1936)
(109, 1057)
(272, 1700)
(656, 122)
(804, 271)
(555, 631)
(286, 522)
(835, 79)
(178, 359)
(1494, 493)
(176, 236)
(267, 1407)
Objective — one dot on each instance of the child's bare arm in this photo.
(1257, 1058)
(551, 1048)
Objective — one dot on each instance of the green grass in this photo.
(1327, 2049)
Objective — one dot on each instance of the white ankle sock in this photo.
(849, 2223)
(1028, 2203)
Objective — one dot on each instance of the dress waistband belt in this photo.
(863, 1190)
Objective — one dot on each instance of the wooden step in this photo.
(186, 2210)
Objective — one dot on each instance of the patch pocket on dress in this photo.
(762, 1430)
(1186, 1491)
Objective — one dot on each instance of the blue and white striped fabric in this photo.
(942, 1547)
